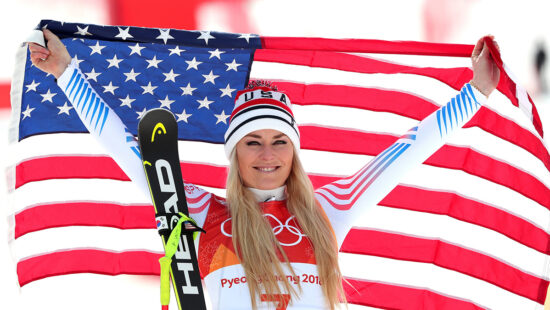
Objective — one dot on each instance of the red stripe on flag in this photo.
(344, 140)
(470, 211)
(84, 214)
(506, 129)
(68, 167)
(5, 95)
(368, 46)
(388, 296)
(373, 99)
(443, 254)
(454, 77)
(536, 117)
(475, 163)
(87, 261)
(204, 174)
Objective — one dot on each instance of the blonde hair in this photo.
(261, 255)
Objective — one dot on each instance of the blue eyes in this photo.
(250, 143)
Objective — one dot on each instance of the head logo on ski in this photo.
(161, 130)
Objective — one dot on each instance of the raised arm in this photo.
(347, 199)
(100, 120)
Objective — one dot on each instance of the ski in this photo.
(158, 140)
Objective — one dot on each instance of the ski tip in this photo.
(156, 122)
(158, 112)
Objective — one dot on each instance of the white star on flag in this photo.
(96, 48)
(187, 90)
(83, 31)
(136, 49)
(127, 101)
(131, 75)
(76, 60)
(205, 103)
(205, 35)
(47, 96)
(92, 75)
(64, 109)
(165, 35)
(175, 51)
(140, 114)
(246, 36)
(27, 112)
(232, 65)
(31, 86)
(217, 53)
(183, 116)
(210, 77)
(110, 88)
(149, 89)
(193, 64)
(166, 102)
(222, 118)
(227, 91)
(124, 34)
(170, 76)
(153, 62)
(113, 62)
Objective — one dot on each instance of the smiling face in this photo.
(265, 158)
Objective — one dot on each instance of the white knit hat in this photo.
(260, 108)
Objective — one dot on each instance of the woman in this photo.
(274, 241)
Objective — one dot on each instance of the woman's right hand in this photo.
(486, 71)
(54, 58)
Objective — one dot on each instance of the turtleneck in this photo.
(265, 195)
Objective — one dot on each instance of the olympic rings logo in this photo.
(276, 229)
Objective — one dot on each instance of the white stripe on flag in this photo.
(437, 279)
(77, 190)
(429, 88)
(84, 237)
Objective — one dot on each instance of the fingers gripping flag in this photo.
(467, 229)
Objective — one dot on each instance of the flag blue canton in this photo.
(193, 74)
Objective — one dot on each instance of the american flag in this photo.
(468, 229)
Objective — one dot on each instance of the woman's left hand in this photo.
(486, 72)
(54, 58)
